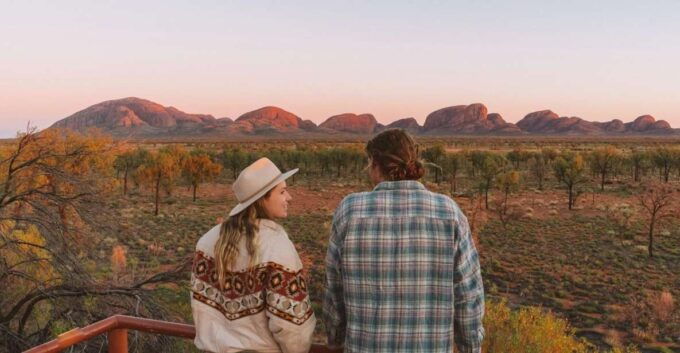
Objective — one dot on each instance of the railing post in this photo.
(118, 341)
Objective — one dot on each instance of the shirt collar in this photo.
(400, 185)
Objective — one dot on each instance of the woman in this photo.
(248, 292)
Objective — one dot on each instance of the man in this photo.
(402, 272)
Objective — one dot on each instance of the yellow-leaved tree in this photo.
(199, 168)
(161, 169)
(570, 171)
(53, 188)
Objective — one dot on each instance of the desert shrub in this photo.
(656, 316)
(620, 220)
(527, 330)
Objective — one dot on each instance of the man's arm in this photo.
(468, 292)
(333, 305)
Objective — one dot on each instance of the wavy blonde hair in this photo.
(235, 228)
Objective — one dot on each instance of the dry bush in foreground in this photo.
(654, 317)
(52, 219)
(531, 330)
(527, 330)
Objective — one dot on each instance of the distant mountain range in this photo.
(142, 118)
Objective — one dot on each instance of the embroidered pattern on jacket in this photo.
(270, 286)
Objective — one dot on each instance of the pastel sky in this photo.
(594, 59)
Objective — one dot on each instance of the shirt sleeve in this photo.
(468, 292)
(288, 308)
(334, 306)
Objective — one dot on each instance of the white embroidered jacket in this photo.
(264, 308)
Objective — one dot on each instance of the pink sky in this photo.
(598, 61)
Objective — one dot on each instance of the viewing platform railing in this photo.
(116, 328)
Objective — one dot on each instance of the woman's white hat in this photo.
(254, 181)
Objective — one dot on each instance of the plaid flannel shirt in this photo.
(402, 273)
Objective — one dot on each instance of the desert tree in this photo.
(161, 169)
(639, 162)
(233, 159)
(307, 159)
(657, 200)
(602, 161)
(550, 154)
(516, 157)
(434, 156)
(676, 161)
(278, 156)
(340, 157)
(324, 160)
(179, 155)
(570, 171)
(538, 168)
(358, 160)
(53, 185)
(492, 165)
(453, 165)
(127, 163)
(507, 183)
(293, 157)
(474, 211)
(199, 168)
(477, 159)
(663, 159)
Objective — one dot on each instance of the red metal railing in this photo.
(116, 327)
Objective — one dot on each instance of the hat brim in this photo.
(243, 205)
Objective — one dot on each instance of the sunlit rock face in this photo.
(461, 119)
(136, 116)
(130, 113)
(273, 118)
(537, 121)
(352, 123)
(647, 123)
(547, 122)
(409, 124)
(614, 126)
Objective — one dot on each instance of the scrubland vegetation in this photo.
(579, 242)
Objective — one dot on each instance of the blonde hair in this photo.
(235, 228)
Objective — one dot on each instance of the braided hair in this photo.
(396, 154)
